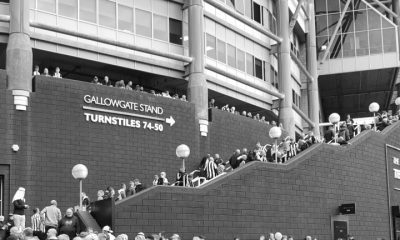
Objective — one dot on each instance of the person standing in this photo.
(36, 221)
(52, 215)
(19, 208)
(69, 224)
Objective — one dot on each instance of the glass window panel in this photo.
(374, 20)
(249, 64)
(359, 5)
(348, 23)
(321, 41)
(211, 46)
(239, 5)
(258, 68)
(360, 18)
(256, 12)
(143, 23)
(107, 13)
(47, 5)
(160, 30)
(241, 64)
(386, 23)
(348, 45)
(333, 19)
(87, 10)
(375, 41)
(336, 49)
(175, 31)
(230, 3)
(247, 8)
(333, 6)
(343, 4)
(125, 18)
(231, 55)
(68, 8)
(389, 40)
(221, 48)
(271, 76)
(320, 7)
(362, 43)
(321, 25)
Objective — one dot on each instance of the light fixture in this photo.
(80, 172)
(374, 108)
(334, 118)
(275, 133)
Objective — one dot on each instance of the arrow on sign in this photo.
(170, 121)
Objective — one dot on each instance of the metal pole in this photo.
(374, 122)
(276, 150)
(334, 131)
(80, 194)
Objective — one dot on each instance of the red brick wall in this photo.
(297, 199)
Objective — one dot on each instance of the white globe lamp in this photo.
(275, 133)
(80, 172)
(374, 108)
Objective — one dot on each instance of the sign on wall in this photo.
(125, 113)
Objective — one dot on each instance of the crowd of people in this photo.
(118, 84)
(248, 114)
(346, 130)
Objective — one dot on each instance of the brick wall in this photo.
(298, 198)
(53, 136)
(228, 132)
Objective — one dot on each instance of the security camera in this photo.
(15, 147)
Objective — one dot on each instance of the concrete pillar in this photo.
(312, 65)
(197, 87)
(286, 115)
(19, 54)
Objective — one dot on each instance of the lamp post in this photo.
(334, 118)
(275, 133)
(182, 152)
(80, 172)
(374, 108)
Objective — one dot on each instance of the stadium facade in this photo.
(294, 61)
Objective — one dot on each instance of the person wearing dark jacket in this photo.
(233, 161)
(69, 224)
(138, 186)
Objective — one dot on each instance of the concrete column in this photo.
(286, 115)
(312, 65)
(19, 54)
(197, 87)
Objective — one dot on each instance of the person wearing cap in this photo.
(52, 215)
(175, 237)
(19, 208)
(140, 236)
(108, 232)
(69, 224)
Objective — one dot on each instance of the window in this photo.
(107, 13)
(249, 64)
(221, 49)
(272, 23)
(87, 10)
(375, 41)
(295, 98)
(241, 64)
(230, 3)
(256, 12)
(210, 46)
(125, 18)
(143, 23)
(68, 8)
(160, 27)
(47, 5)
(274, 77)
(258, 68)
(247, 8)
(175, 31)
(231, 55)
(239, 5)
